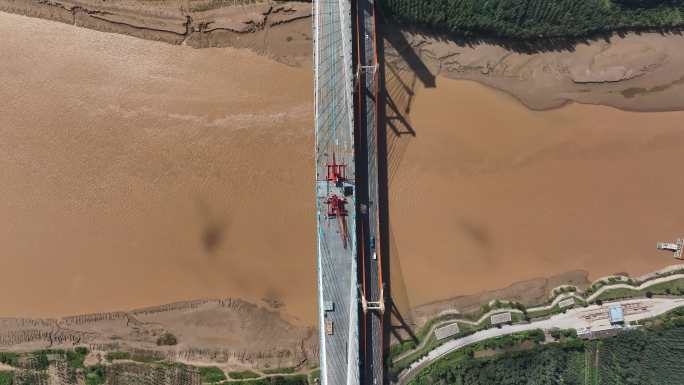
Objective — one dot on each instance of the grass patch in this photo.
(616, 294)
(171, 365)
(673, 318)
(675, 287)
(146, 357)
(111, 356)
(242, 375)
(211, 374)
(287, 370)
(11, 359)
(502, 342)
(6, 378)
(315, 377)
(401, 348)
(301, 379)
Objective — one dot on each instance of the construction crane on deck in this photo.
(336, 204)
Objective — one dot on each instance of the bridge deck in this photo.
(337, 268)
(367, 62)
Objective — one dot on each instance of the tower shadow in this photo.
(398, 81)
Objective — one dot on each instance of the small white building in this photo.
(566, 303)
(501, 318)
(447, 331)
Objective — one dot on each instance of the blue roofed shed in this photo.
(616, 314)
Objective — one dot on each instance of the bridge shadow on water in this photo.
(399, 78)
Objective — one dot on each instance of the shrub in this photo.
(40, 360)
(76, 357)
(167, 339)
(211, 374)
(555, 333)
(82, 350)
(95, 375)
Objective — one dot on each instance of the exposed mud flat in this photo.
(631, 71)
(637, 72)
(279, 29)
(230, 333)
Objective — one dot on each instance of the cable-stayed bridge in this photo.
(351, 304)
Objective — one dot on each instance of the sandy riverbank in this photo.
(278, 29)
(230, 333)
(636, 72)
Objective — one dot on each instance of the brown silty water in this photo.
(136, 173)
(488, 193)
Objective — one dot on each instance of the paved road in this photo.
(367, 157)
(594, 317)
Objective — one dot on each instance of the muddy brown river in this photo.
(136, 173)
(488, 192)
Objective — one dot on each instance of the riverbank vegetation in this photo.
(111, 356)
(649, 355)
(275, 380)
(286, 370)
(668, 282)
(534, 19)
(121, 364)
(243, 375)
(675, 287)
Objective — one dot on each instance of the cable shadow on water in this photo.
(400, 74)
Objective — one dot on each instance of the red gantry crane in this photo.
(336, 204)
(336, 172)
